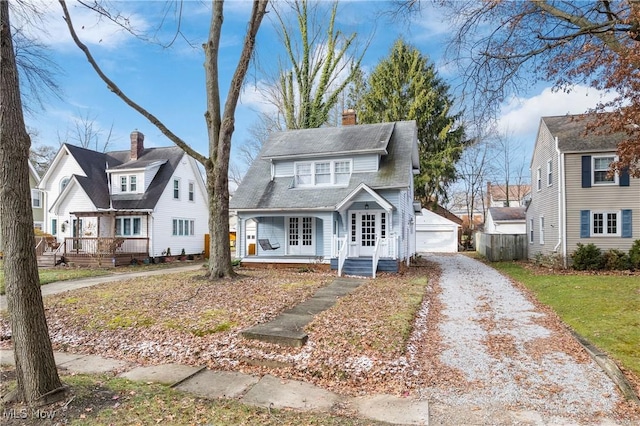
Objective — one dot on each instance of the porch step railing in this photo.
(376, 257)
(342, 253)
(388, 247)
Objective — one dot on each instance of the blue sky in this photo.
(170, 82)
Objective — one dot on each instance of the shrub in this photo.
(587, 257)
(616, 260)
(634, 255)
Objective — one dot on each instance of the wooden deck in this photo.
(95, 252)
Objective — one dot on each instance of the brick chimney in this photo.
(349, 117)
(137, 144)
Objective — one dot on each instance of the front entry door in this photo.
(366, 225)
(300, 236)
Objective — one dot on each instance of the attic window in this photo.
(322, 173)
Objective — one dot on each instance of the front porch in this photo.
(93, 251)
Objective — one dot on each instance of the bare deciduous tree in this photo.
(36, 373)
(219, 120)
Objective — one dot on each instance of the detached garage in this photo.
(435, 233)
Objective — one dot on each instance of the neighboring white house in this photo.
(506, 220)
(326, 194)
(435, 233)
(135, 203)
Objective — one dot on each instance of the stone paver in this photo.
(89, 364)
(278, 393)
(167, 374)
(218, 384)
(392, 409)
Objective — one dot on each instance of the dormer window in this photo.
(322, 173)
(129, 183)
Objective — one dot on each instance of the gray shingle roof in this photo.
(328, 141)
(94, 165)
(258, 191)
(507, 213)
(572, 136)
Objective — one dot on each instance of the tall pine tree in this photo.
(405, 86)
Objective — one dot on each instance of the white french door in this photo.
(300, 236)
(366, 225)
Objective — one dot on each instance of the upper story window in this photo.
(539, 179)
(600, 169)
(63, 183)
(129, 183)
(176, 189)
(549, 173)
(36, 198)
(310, 173)
(191, 191)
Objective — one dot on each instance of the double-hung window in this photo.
(304, 177)
(549, 173)
(323, 173)
(539, 179)
(600, 169)
(342, 172)
(133, 183)
(191, 191)
(176, 189)
(36, 198)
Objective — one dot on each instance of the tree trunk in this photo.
(37, 376)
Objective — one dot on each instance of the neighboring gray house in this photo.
(573, 198)
(340, 195)
(505, 220)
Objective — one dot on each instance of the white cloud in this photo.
(91, 28)
(521, 116)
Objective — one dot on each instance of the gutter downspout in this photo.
(561, 200)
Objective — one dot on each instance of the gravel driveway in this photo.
(510, 360)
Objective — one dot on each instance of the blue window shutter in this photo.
(586, 171)
(626, 224)
(624, 177)
(585, 216)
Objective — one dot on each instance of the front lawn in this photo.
(604, 308)
(111, 401)
(59, 274)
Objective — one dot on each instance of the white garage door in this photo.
(442, 241)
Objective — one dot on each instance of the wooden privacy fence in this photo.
(497, 247)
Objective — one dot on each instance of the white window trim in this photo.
(549, 173)
(332, 171)
(131, 179)
(175, 231)
(593, 171)
(531, 231)
(173, 189)
(604, 234)
(191, 191)
(63, 183)
(539, 179)
(38, 197)
(541, 230)
(132, 218)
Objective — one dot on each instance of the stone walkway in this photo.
(266, 391)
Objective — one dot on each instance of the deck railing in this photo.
(105, 246)
(376, 257)
(342, 253)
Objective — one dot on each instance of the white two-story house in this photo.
(120, 205)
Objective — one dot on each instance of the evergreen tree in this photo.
(405, 86)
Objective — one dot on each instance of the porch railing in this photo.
(376, 257)
(104, 246)
(388, 247)
(342, 253)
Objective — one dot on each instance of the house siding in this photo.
(168, 209)
(605, 198)
(544, 202)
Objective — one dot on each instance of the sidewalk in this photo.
(266, 391)
(62, 286)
